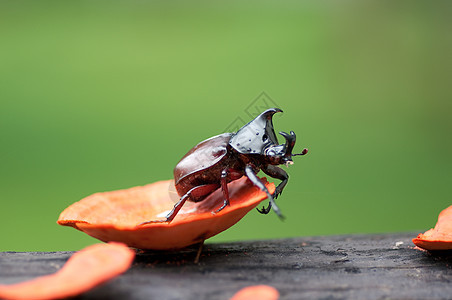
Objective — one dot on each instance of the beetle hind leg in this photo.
(173, 212)
(195, 193)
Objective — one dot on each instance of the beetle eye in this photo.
(264, 137)
(271, 152)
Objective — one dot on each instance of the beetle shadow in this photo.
(186, 256)
(192, 255)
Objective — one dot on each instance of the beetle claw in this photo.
(262, 211)
(276, 194)
(265, 210)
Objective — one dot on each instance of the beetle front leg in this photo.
(278, 173)
(224, 189)
(257, 182)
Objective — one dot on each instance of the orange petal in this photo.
(83, 271)
(440, 237)
(261, 292)
(114, 216)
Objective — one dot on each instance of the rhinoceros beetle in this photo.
(215, 162)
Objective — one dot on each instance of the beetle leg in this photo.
(278, 173)
(265, 210)
(173, 212)
(197, 191)
(257, 182)
(178, 206)
(224, 188)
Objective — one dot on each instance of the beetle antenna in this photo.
(305, 151)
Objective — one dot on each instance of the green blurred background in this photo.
(104, 95)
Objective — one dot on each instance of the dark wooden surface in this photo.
(335, 267)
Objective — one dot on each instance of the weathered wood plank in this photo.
(334, 267)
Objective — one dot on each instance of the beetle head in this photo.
(257, 135)
(282, 154)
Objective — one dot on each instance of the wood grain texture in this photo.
(334, 267)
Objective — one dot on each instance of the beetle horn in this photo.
(290, 142)
(258, 134)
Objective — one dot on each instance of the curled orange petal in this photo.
(83, 271)
(114, 216)
(440, 237)
(261, 292)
